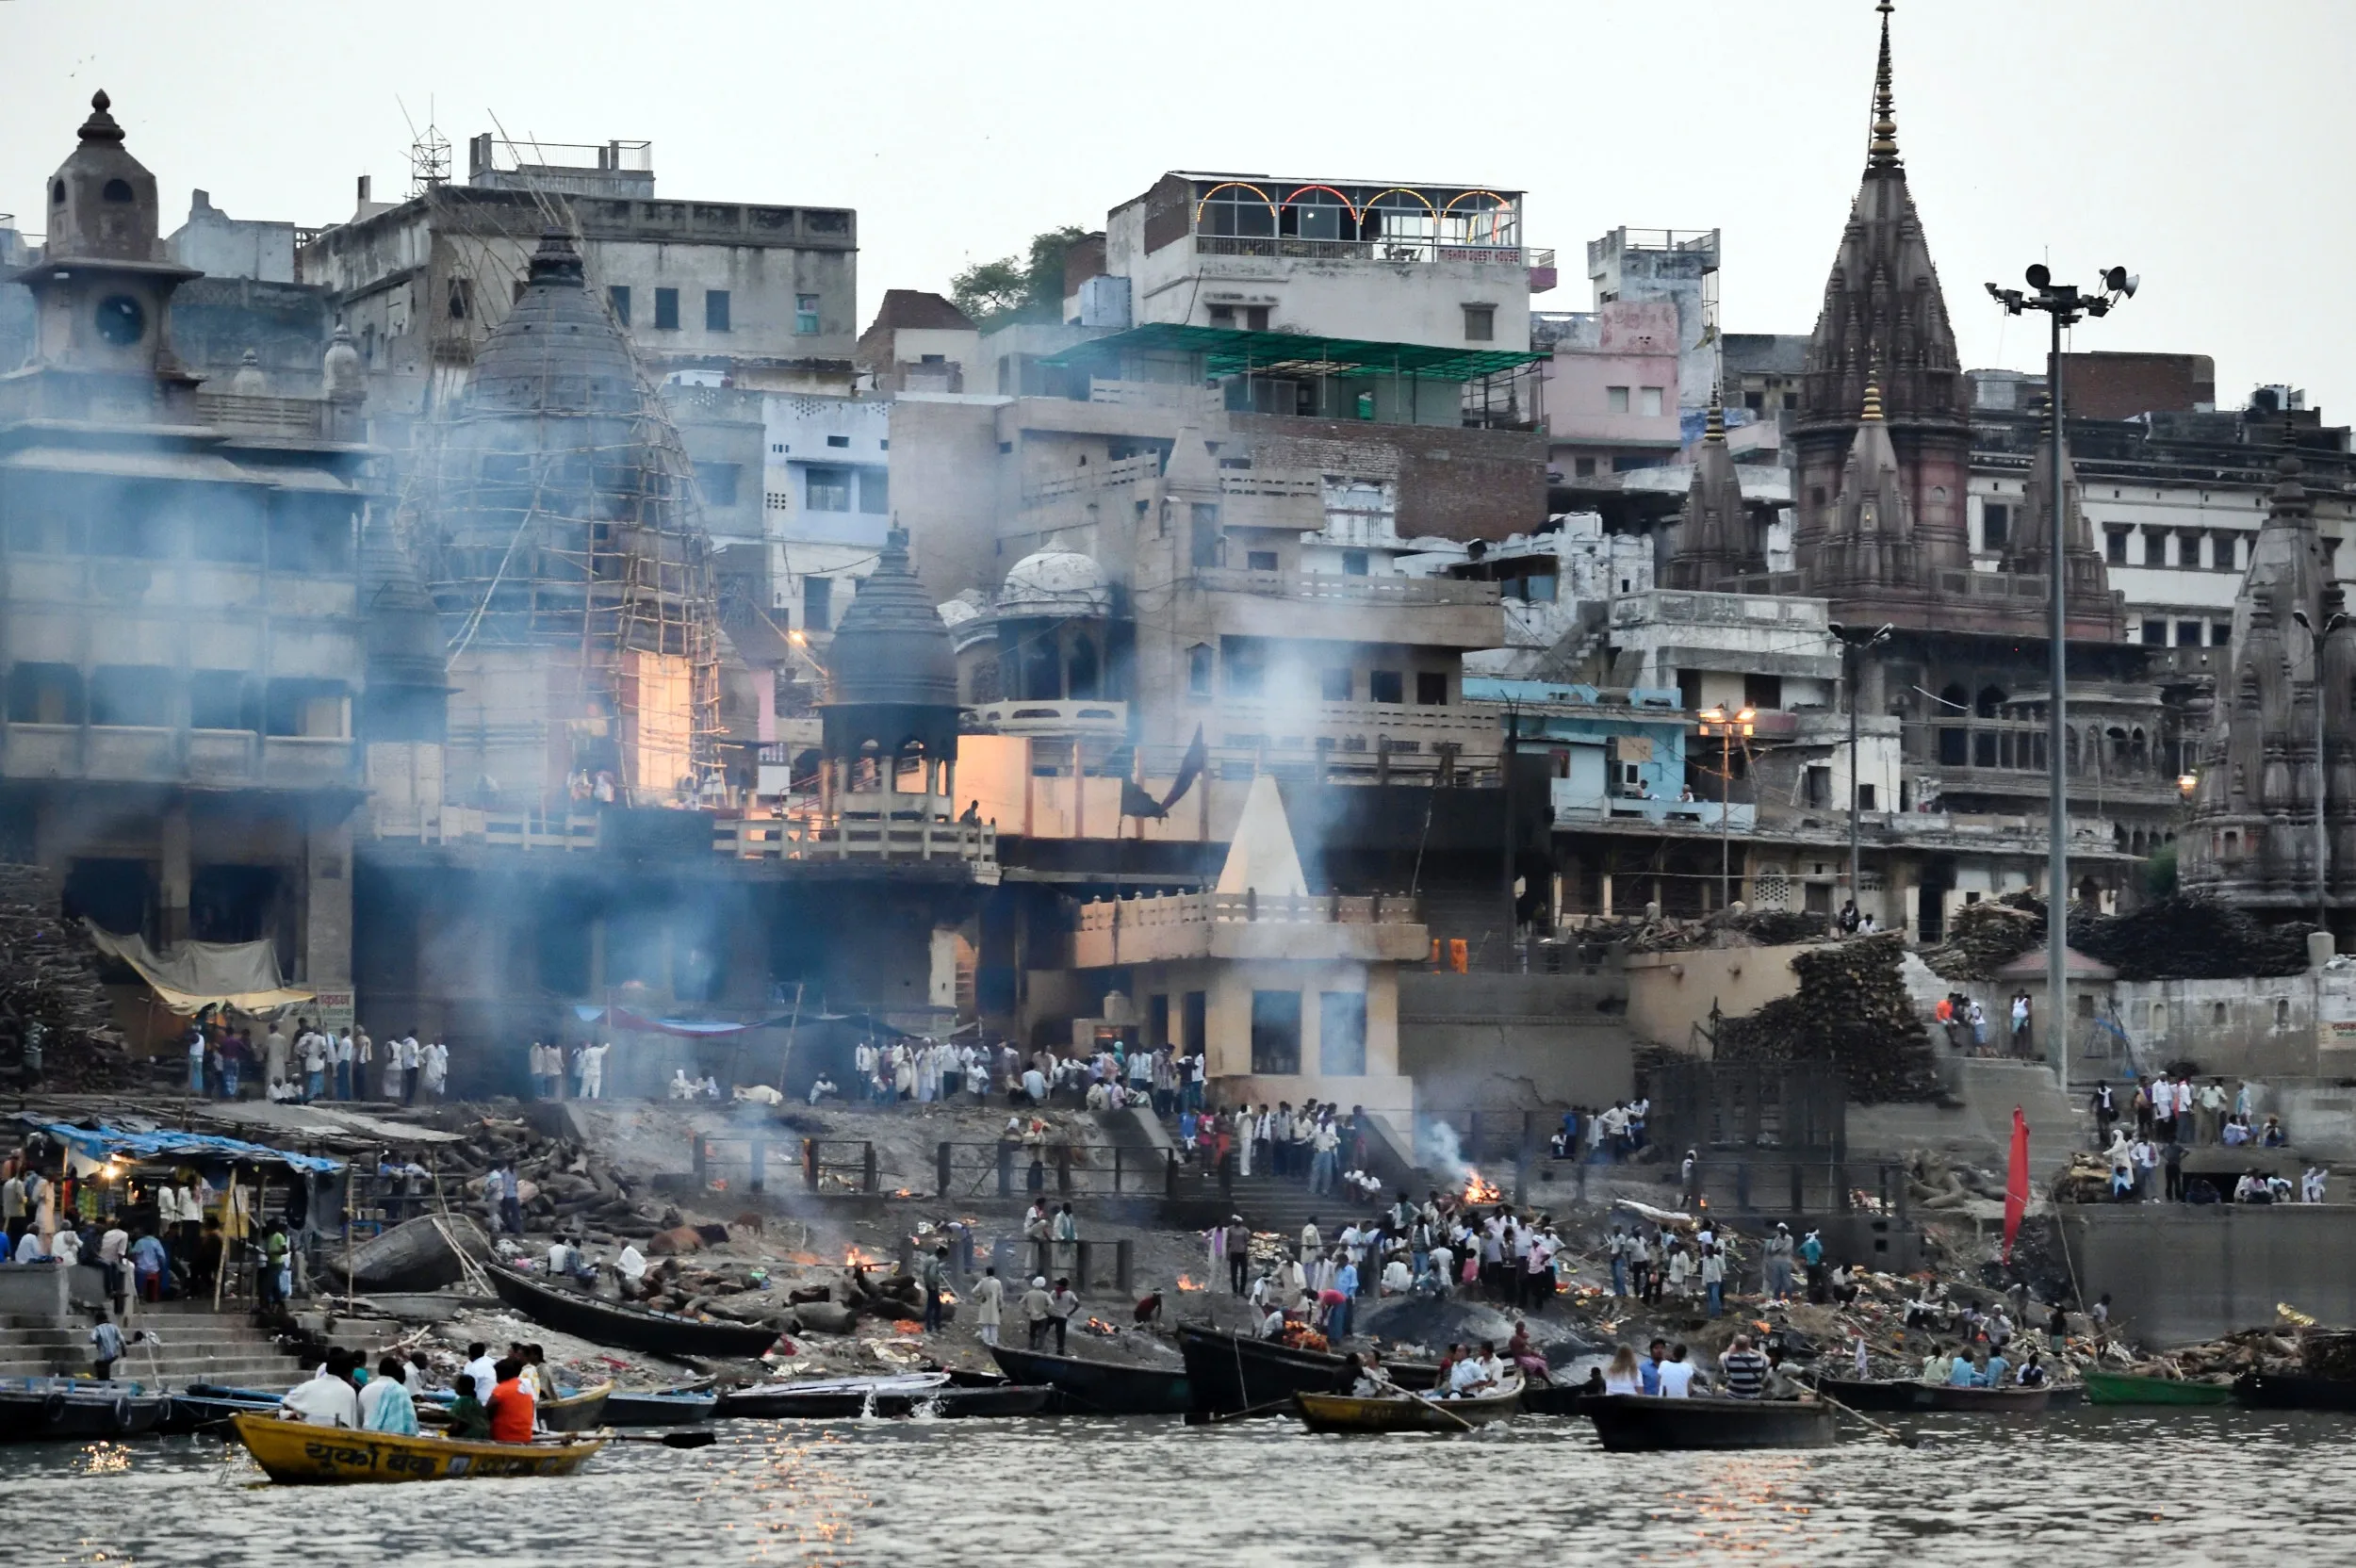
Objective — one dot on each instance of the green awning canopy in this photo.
(1290, 353)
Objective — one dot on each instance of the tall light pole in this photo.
(1727, 725)
(1854, 640)
(2323, 844)
(2064, 305)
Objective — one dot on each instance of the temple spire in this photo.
(1873, 411)
(1714, 427)
(1882, 151)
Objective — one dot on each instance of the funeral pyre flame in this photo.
(1478, 1189)
(1185, 1281)
(1098, 1326)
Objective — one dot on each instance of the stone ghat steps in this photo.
(191, 1346)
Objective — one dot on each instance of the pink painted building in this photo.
(1611, 386)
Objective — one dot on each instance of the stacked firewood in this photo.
(561, 1185)
(51, 998)
(1654, 932)
(1852, 1010)
(2179, 938)
(1983, 938)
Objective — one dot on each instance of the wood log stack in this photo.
(1983, 938)
(2183, 937)
(50, 988)
(1852, 1010)
(565, 1186)
(1653, 932)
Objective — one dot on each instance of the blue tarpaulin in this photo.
(103, 1142)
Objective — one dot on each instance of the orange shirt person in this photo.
(511, 1406)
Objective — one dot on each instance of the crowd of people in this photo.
(555, 1068)
(2146, 1127)
(309, 1064)
(1969, 1033)
(1614, 1134)
(494, 1401)
(928, 1072)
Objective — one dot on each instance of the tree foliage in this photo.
(1011, 289)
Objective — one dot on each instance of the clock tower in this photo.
(103, 290)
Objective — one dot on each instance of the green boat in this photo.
(2121, 1388)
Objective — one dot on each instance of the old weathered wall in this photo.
(1668, 993)
(2178, 1275)
(1515, 1041)
(1456, 482)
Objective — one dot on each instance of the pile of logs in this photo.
(561, 1185)
(2179, 938)
(2268, 1349)
(1654, 932)
(2087, 1180)
(50, 992)
(1852, 1010)
(1984, 937)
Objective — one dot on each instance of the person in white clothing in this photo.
(328, 1400)
(1676, 1376)
(989, 1298)
(593, 1070)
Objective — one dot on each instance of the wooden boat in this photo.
(683, 1406)
(188, 1414)
(1556, 1398)
(849, 1399)
(1399, 1413)
(1100, 1387)
(46, 1410)
(2294, 1391)
(1639, 1423)
(573, 1409)
(298, 1453)
(1231, 1372)
(1989, 1402)
(1877, 1393)
(2125, 1388)
(416, 1255)
(625, 1327)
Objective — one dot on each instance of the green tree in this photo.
(1013, 288)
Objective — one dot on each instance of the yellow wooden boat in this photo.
(1402, 1413)
(298, 1453)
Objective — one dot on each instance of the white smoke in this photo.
(1439, 1150)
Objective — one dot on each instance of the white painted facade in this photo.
(826, 500)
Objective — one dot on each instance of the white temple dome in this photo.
(1055, 582)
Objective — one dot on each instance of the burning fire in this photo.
(1480, 1190)
(1185, 1281)
(902, 1192)
(1098, 1326)
(853, 1258)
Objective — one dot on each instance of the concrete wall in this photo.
(1515, 1041)
(2179, 1275)
(1455, 482)
(1668, 993)
(945, 461)
(2249, 1027)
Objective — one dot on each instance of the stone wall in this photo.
(2179, 1275)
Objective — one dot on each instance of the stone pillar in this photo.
(171, 832)
(326, 957)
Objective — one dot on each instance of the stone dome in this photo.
(891, 647)
(1059, 584)
(556, 351)
(955, 613)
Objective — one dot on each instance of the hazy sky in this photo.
(2203, 144)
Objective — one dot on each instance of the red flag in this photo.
(2016, 1181)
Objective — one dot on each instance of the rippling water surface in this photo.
(2081, 1487)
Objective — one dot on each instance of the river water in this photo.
(2090, 1486)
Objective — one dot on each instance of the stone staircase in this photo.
(193, 1346)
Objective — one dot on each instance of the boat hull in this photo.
(625, 1327)
(1340, 1413)
(1099, 1388)
(1989, 1402)
(416, 1254)
(889, 1403)
(2121, 1388)
(659, 1409)
(51, 1410)
(1877, 1395)
(1637, 1423)
(295, 1453)
(1228, 1372)
(1556, 1398)
(2294, 1391)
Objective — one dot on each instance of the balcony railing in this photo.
(1328, 586)
(1246, 907)
(1079, 716)
(1426, 249)
(296, 418)
(1573, 803)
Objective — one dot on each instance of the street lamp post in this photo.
(1854, 641)
(2064, 305)
(1727, 725)
(2323, 842)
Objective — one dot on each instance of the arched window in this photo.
(2069, 735)
(1202, 668)
(1081, 682)
(2135, 746)
(116, 190)
(1992, 702)
(2118, 748)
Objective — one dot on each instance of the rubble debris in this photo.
(1852, 1010)
(51, 995)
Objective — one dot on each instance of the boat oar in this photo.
(1905, 1440)
(1434, 1404)
(1200, 1418)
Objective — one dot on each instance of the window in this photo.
(1865, 798)
(1816, 897)
(2188, 633)
(1353, 563)
(806, 313)
(1276, 1033)
(311, 709)
(1755, 401)
(817, 604)
(1386, 686)
(1259, 561)
(44, 693)
(617, 294)
(2188, 550)
(717, 482)
(460, 299)
(1255, 317)
(827, 489)
(1995, 526)
(1432, 688)
(1648, 402)
(2154, 632)
(1199, 670)
(2221, 634)
(778, 500)
(1223, 316)
(1193, 1012)
(715, 310)
(221, 699)
(1817, 785)
(1481, 323)
(135, 531)
(116, 190)
(1762, 691)
(838, 440)
(1615, 399)
(1336, 685)
(874, 491)
(666, 310)
(2222, 552)
(1583, 467)
(2117, 553)
(1204, 547)
(132, 694)
(1247, 667)
(1342, 1034)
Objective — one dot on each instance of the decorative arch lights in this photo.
(1236, 208)
(1485, 219)
(1401, 217)
(1318, 212)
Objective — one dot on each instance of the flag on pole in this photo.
(2016, 1181)
(1189, 769)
